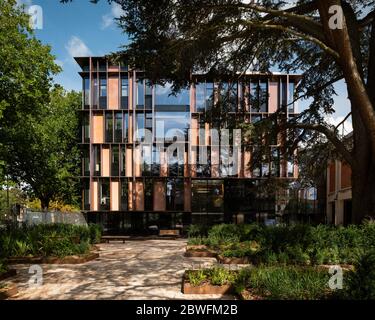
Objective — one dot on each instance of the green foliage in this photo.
(196, 277)
(292, 283)
(359, 284)
(48, 240)
(197, 241)
(3, 267)
(217, 276)
(296, 244)
(197, 230)
(95, 232)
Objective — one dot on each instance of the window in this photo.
(86, 162)
(103, 93)
(259, 96)
(140, 94)
(86, 194)
(97, 160)
(140, 125)
(108, 127)
(215, 195)
(103, 87)
(118, 127)
(233, 97)
(171, 124)
(148, 96)
(149, 194)
(291, 97)
(124, 92)
(95, 93)
(124, 194)
(123, 160)
(86, 128)
(104, 195)
(175, 194)
(86, 92)
(147, 160)
(263, 96)
(209, 95)
(165, 97)
(200, 97)
(126, 126)
(115, 161)
(155, 161)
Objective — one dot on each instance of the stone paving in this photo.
(150, 269)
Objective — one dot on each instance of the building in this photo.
(339, 193)
(125, 118)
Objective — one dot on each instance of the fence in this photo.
(36, 217)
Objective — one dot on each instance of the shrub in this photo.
(284, 282)
(197, 241)
(95, 232)
(359, 284)
(47, 240)
(224, 233)
(197, 230)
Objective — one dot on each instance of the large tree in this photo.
(26, 70)
(169, 39)
(45, 158)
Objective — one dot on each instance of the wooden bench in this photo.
(169, 232)
(107, 239)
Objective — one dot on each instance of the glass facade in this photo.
(165, 190)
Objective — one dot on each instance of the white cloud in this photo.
(108, 19)
(344, 128)
(77, 48)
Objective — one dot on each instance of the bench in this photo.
(107, 239)
(169, 232)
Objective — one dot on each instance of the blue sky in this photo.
(82, 29)
(78, 29)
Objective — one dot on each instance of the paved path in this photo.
(149, 269)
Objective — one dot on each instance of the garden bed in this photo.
(205, 288)
(233, 260)
(75, 259)
(8, 291)
(8, 274)
(200, 251)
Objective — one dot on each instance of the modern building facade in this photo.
(133, 181)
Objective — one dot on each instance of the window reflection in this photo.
(164, 96)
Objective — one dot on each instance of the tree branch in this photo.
(330, 135)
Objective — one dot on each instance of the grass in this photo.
(284, 283)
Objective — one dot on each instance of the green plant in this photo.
(219, 276)
(197, 230)
(284, 282)
(196, 277)
(359, 284)
(21, 248)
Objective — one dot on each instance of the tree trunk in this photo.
(44, 203)
(363, 173)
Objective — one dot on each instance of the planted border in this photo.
(205, 288)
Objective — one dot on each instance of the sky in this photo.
(83, 29)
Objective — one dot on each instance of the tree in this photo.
(326, 40)
(45, 156)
